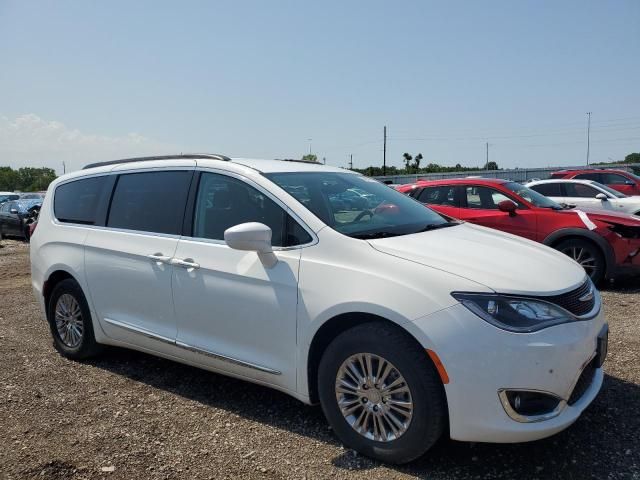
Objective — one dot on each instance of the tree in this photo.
(26, 179)
(407, 161)
(492, 166)
(632, 158)
(310, 157)
(416, 162)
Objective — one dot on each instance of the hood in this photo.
(502, 262)
(606, 216)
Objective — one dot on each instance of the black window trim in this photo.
(187, 226)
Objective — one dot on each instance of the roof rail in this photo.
(211, 156)
(299, 160)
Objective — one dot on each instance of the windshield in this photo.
(358, 206)
(613, 192)
(532, 196)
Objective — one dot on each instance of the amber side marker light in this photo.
(439, 366)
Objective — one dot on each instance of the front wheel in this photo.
(588, 256)
(381, 393)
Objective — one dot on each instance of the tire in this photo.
(587, 254)
(67, 296)
(425, 424)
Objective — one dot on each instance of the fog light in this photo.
(530, 406)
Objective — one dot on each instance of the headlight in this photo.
(515, 314)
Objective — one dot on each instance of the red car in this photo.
(604, 243)
(619, 180)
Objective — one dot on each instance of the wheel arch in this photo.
(568, 233)
(334, 327)
(50, 283)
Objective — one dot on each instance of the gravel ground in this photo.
(130, 415)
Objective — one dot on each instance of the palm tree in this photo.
(407, 161)
(417, 162)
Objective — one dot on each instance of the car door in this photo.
(12, 221)
(234, 313)
(444, 198)
(127, 261)
(481, 207)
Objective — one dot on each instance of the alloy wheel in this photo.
(583, 256)
(68, 317)
(373, 397)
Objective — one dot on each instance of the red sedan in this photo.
(619, 180)
(604, 243)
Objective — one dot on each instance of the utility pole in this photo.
(384, 153)
(351, 162)
(64, 168)
(324, 160)
(486, 165)
(588, 134)
(309, 140)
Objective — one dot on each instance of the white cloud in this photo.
(29, 140)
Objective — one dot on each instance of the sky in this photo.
(84, 81)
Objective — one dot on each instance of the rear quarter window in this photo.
(77, 201)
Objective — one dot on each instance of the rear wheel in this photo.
(381, 393)
(70, 321)
(588, 256)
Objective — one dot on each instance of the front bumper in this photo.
(482, 360)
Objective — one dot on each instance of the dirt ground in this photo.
(129, 415)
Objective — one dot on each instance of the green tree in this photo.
(310, 157)
(26, 179)
(416, 162)
(8, 179)
(407, 161)
(632, 158)
(492, 166)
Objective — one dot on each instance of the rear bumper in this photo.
(482, 360)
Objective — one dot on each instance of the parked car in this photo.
(619, 180)
(16, 216)
(32, 196)
(587, 193)
(604, 243)
(8, 196)
(402, 323)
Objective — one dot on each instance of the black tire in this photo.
(87, 347)
(411, 361)
(571, 246)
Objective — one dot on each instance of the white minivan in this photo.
(402, 323)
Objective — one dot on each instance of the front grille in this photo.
(571, 300)
(584, 382)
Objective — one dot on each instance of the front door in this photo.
(482, 209)
(233, 312)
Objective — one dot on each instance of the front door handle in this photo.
(187, 263)
(159, 258)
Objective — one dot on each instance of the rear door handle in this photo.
(159, 258)
(187, 263)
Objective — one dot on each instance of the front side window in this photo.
(380, 211)
(614, 179)
(580, 190)
(611, 191)
(150, 201)
(223, 202)
(77, 201)
(484, 198)
(442, 195)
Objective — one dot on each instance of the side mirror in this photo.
(629, 182)
(602, 196)
(507, 206)
(253, 237)
(13, 211)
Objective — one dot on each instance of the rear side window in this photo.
(150, 201)
(77, 201)
(548, 189)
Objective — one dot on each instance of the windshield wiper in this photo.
(374, 235)
(436, 226)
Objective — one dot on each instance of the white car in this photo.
(587, 193)
(404, 325)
